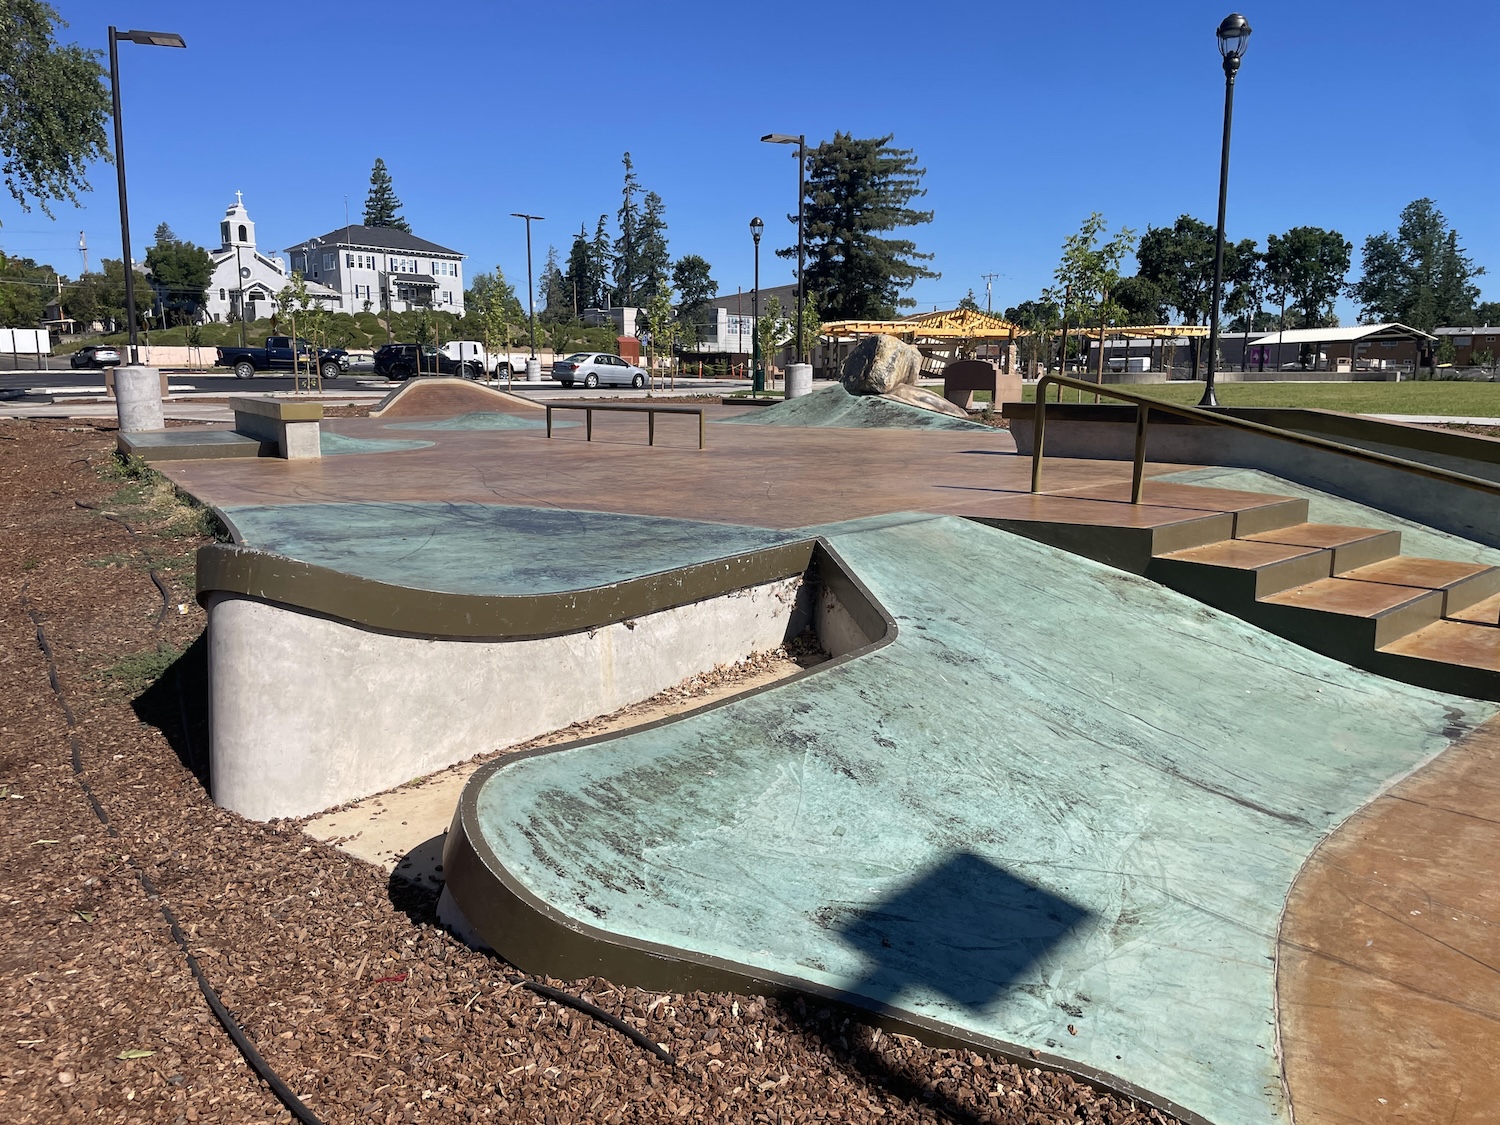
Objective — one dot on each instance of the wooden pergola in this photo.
(933, 327)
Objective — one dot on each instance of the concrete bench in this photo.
(294, 427)
(962, 378)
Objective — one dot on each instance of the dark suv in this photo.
(402, 361)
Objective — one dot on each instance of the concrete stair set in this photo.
(1346, 592)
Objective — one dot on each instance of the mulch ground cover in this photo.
(367, 1009)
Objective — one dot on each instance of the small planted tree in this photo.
(772, 328)
(661, 324)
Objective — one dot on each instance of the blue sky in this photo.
(1027, 118)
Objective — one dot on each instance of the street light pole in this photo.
(801, 142)
(758, 376)
(150, 39)
(530, 294)
(1233, 36)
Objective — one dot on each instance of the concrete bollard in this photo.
(798, 380)
(138, 399)
(533, 371)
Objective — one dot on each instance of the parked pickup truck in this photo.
(277, 356)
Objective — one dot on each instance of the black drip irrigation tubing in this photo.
(161, 587)
(236, 1033)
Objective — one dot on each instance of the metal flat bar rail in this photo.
(1144, 405)
(650, 411)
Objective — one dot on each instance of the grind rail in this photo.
(650, 411)
(1144, 405)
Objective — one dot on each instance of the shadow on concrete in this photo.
(967, 930)
(176, 704)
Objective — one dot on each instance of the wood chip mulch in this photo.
(365, 1007)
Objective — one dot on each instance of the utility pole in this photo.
(988, 294)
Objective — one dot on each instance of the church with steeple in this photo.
(244, 278)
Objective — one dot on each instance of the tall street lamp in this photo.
(149, 39)
(1234, 36)
(801, 142)
(759, 384)
(530, 296)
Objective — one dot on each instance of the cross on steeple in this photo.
(239, 197)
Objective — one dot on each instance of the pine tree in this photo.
(164, 235)
(557, 298)
(1420, 276)
(382, 208)
(578, 278)
(855, 190)
(627, 265)
(600, 259)
(651, 255)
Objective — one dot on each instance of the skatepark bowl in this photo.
(1197, 799)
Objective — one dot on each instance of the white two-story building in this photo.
(378, 269)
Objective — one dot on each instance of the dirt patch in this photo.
(1465, 427)
(366, 1008)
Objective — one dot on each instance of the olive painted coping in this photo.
(389, 608)
(279, 409)
(529, 933)
(1327, 423)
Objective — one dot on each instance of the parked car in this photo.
(277, 355)
(594, 369)
(96, 355)
(402, 361)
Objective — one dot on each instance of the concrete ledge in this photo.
(294, 427)
(191, 444)
(310, 712)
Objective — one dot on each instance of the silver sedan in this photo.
(595, 369)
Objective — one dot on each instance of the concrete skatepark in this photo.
(1066, 791)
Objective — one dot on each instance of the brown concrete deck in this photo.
(1389, 966)
(763, 475)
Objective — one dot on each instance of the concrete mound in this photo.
(433, 397)
(836, 408)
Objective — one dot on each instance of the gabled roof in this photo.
(376, 238)
(1341, 335)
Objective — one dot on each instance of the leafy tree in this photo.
(627, 247)
(857, 189)
(1487, 312)
(661, 325)
(695, 288)
(53, 107)
(25, 288)
(1419, 276)
(1090, 271)
(773, 328)
(382, 208)
(1307, 265)
(557, 296)
(98, 296)
(1041, 318)
(1179, 261)
(1140, 301)
(492, 289)
(180, 272)
(969, 302)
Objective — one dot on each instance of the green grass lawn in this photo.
(1451, 399)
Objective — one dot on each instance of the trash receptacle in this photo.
(533, 370)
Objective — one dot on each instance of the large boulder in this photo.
(921, 396)
(879, 364)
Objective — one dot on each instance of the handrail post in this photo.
(700, 427)
(650, 427)
(588, 423)
(1039, 432)
(1138, 474)
(549, 421)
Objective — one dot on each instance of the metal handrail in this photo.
(1145, 404)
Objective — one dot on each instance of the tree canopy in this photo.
(1420, 276)
(382, 208)
(180, 272)
(25, 289)
(53, 107)
(628, 275)
(693, 280)
(1089, 271)
(858, 189)
(1306, 266)
(1179, 261)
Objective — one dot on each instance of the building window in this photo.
(224, 230)
(223, 296)
(330, 261)
(244, 235)
(349, 260)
